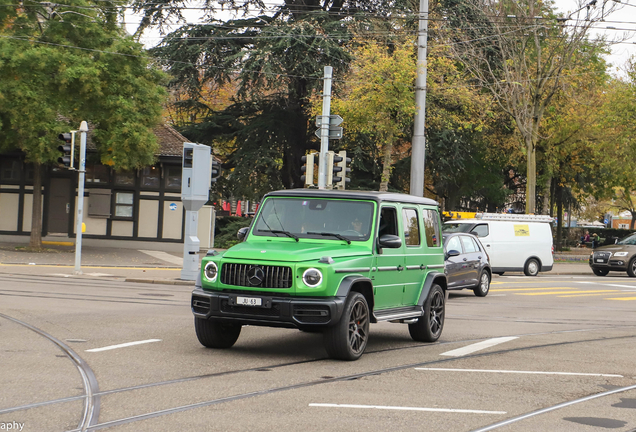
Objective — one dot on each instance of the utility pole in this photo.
(418, 145)
(80, 198)
(324, 128)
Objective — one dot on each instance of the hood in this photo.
(615, 248)
(292, 251)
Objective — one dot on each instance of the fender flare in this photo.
(432, 278)
(348, 281)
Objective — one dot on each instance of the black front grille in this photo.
(274, 311)
(602, 255)
(242, 275)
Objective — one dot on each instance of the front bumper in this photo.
(292, 312)
(613, 264)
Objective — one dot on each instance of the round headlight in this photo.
(312, 277)
(210, 271)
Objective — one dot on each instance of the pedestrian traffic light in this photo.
(308, 168)
(342, 160)
(215, 170)
(187, 157)
(67, 149)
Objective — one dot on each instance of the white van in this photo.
(513, 242)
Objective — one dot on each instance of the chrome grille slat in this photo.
(274, 276)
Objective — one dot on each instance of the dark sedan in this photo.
(466, 263)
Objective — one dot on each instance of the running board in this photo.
(398, 313)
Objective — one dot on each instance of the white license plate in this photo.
(249, 301)
(600, 260)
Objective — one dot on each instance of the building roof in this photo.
(170, 141)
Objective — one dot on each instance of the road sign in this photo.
(335, 132)
(334, 120)
(605, 221)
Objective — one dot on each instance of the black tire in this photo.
(481, 290)
(600, 272)
(348, 338)
(213, 334)
(532, 267)
(429, 326)
(631, 268)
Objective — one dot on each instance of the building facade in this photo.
(142, 205)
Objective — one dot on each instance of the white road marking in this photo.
(380, 407)
(124, 345)
(519, 372)
(164, 256)
(610, 285)
(478, 346)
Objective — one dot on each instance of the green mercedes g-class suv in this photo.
(330, 261)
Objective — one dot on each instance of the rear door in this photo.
(471, 258)
(389, 277)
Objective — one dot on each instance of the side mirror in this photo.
(390, 241)
(242, 233)
(452, 253)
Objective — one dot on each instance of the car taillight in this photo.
(552, 249)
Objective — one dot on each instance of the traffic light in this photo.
(308, 168)
(67, 149)
(215, 170)
(342, 160)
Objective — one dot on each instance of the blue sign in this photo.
(173, 206)
(605, 221)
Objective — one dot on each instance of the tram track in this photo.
(92, 395)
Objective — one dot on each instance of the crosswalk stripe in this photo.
(531, 289)
(566, 292)
(622, 298)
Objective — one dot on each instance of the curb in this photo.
(131, 267)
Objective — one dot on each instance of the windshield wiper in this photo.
(331, 234)
(287, 233)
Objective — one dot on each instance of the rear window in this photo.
(432, 228)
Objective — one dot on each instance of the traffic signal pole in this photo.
(80, 198)
(324, 128)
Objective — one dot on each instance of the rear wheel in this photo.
(348, 339)
(631, 268)
(599, 272)
(532, 267)
(428, 327)
(482, 289)
(213, 334)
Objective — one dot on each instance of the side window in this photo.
(480, 230)
(388, 221)
(454, 244)
(469, 244)
(411, 227)
(431, 228)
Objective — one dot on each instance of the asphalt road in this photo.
(551, 353)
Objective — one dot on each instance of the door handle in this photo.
(479, 257)
(465, 259)
(68, 207)
(400, 268)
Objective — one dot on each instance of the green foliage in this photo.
(225, 230)
(59, 67)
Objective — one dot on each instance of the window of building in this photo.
(173, 177)
(150, 178)
(124, 205)
(411, 227)
(96, 173)
(431, 228)
(10, 170)
(125, 178)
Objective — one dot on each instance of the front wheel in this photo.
(599, 272)
(428, 328)
(213, 334)
(482, 289)
(631, 268)
(532, 267)
(348, 339)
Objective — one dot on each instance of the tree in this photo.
(58, 67)
(518, 52)
(379, 100)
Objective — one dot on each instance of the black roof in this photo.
(354, 194)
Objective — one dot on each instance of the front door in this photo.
(59, 205)
(389, 276)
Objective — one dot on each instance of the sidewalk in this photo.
(153, 266)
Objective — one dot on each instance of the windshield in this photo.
(451, 227)
(629, 240)
(315, 218)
